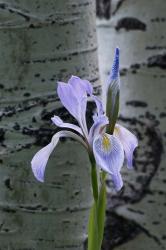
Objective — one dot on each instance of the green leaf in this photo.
(101, 206)
(97, 212)
(93, 243)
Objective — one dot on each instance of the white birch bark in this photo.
(42, 42)
(138, 28)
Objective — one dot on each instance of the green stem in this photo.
(97, 214)
(94, 179)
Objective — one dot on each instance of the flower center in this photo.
(106, 142)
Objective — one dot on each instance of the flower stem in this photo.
(97, 214)
(94, 180)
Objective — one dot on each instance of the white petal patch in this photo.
(108, 152)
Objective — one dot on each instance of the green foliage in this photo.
(97, 218)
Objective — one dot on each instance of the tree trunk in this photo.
(42, 42)
(138, 28)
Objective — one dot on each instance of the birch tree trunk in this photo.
(41, 42)
(138, 28)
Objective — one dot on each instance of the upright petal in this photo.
(81, 87)
(108, 152)
(68, 98)
(129, 142)
(73, 96)
(82, 119)
(40, 159)
(59, 123)
(88, 86)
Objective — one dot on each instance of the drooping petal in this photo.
(68, 98)
(59, 123)
(40, 159)
(108, 152)
(129, 142)
(96, 129)
(117, 181)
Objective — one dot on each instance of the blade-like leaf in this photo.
(93, 243)
(101, 206)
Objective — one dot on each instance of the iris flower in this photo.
(108, 148)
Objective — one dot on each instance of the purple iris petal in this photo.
(40, 159)
(82, 121)
(73, 96)
(109, 154)
(88, 87)
(68, 98)
(129, 142)
(99, 123)
(59, 123)
(81, 87)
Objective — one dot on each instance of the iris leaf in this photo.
(97, 218)
(93, 239)
(101, 206)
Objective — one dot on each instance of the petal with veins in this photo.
(108, 152)
(73, 96)
(129, 142)
(99, 123)
(70, 102)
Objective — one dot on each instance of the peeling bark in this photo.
(143, 99)
(42, 42)
(103, 8)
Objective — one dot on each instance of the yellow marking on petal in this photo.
(106, 142)
(116, 131)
